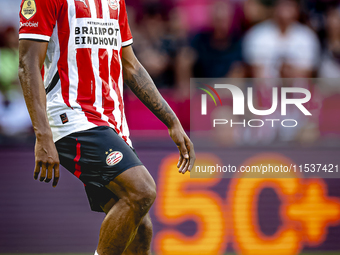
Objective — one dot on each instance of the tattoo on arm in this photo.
(144, 88)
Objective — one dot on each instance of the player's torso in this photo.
(85, 50)
(82, 70)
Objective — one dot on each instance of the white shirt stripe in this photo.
(93, 9)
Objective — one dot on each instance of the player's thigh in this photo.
(132, 183)
(135, 184)
(107, 207)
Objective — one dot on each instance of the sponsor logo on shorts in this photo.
(29, 24)
(114, 158)
(28, 9)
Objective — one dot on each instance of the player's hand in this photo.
(46, 160)
(186, 148)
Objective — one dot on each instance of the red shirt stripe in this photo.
(86, 87)
(82, 9)
(99, 8)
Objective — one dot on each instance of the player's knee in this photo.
(144, 200)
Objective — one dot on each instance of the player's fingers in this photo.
(49, 173)
(192, 157)
(43, 172)
(191, 162)
(185, 168)
(36, 170)
(183, 149)
(180, 160)
(183, 165)
(56, 175)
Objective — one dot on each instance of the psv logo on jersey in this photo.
(113, 4)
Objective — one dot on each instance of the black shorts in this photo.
(96, 156)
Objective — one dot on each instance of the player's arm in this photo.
(140, 82)
(31, 59)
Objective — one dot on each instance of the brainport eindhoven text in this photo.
(96, 35)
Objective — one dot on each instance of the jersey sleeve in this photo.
(37, 19)
(124, 25)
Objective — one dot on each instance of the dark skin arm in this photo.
(139, 81)
(31, 59)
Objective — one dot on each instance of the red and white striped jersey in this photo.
(82, 71)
